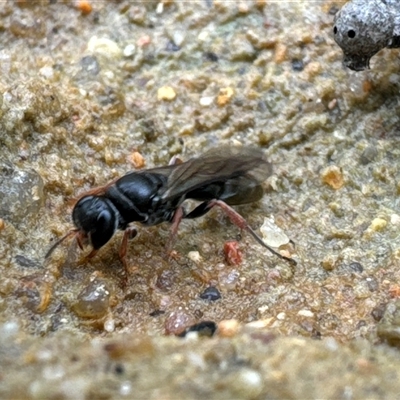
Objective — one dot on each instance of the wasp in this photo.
(221, 177)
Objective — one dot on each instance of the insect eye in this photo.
(335, 30)
(351, 34)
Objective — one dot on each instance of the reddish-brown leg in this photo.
(129, 233)
(239, 221)
(176, 220)
(92, 254)
(80, 239)
(87, 257)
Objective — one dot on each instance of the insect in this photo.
(222, 177)
(364, 27)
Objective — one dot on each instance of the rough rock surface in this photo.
(89, 91)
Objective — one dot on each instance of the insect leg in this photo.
(87, 257)
(239, 221)
(176, 220)
(199, 211)
(129, 233)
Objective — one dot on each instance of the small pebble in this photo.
(305, 313)
(356, 267)
(211, 293)
(90, 65)
(210, 56)
(228, 328)
(137, 160)
(125, 388)
(225, 95)
(372, 283)
(93, 301)
(333, 176)
(156, 313)
(260, 323)
(160, 8)
(332, 104)
(109, 325)
(280, 53)
(241, 49)
(378, 312)
(329, 263)
(47, 72)
(144, 41)
(178, 38)
(297, 65)
(378, 224)
(394, 220)
(233, 255)
(394, 291)
(281, 316)
(137, 14)
(166, 93)
(129, 50)
(105, 47)
(243, 8)
(195, 256)
(177, 321)
(206, 101)
(26, 262)
(84, 7)
(368, 155)
(228, 279)
(273, 235)
(312, 69)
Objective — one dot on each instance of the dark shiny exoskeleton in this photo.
(221, 177)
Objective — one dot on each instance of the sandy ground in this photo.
(93, 90)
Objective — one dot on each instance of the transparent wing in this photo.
(247, 165)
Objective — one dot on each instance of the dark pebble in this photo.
(171, 46)
(372, 283)
(119, 369)
(204, 328)
(361, 324)
(297, 65)
(26, 262)
(315, 334)
(210, 56)
(356, 267)
(156, 313)
(211, 293)
(378, 312)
